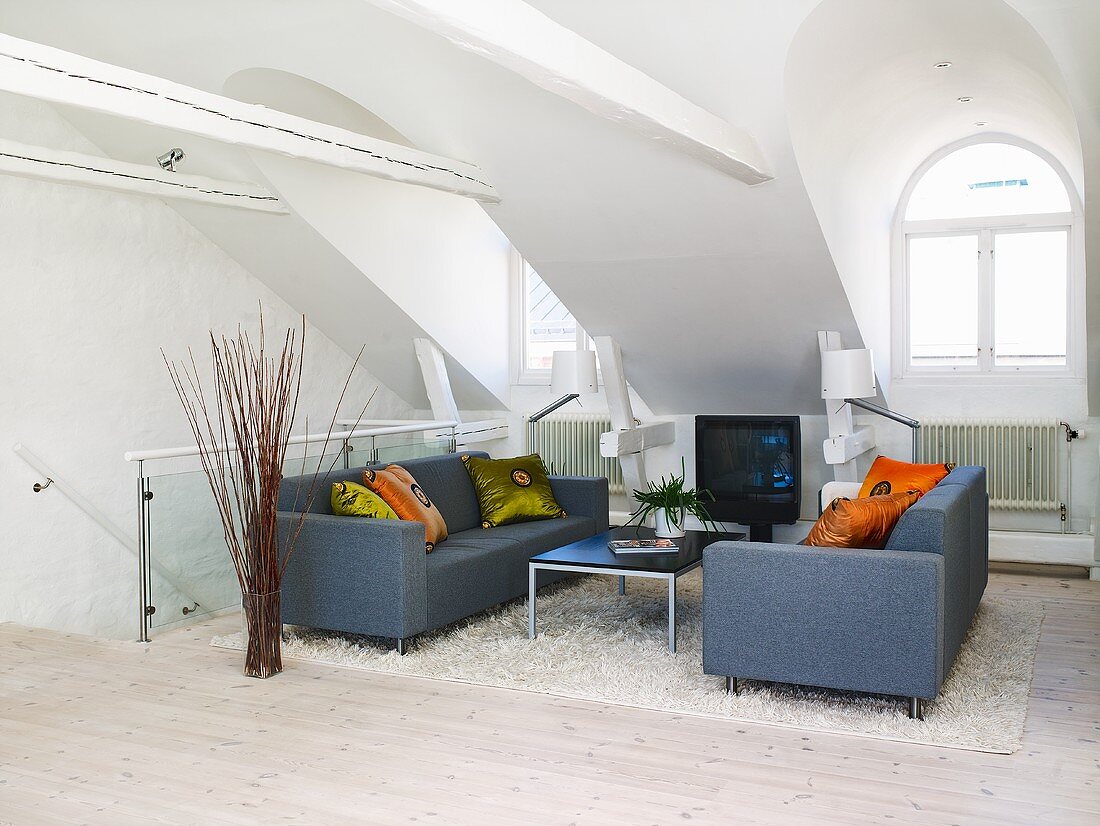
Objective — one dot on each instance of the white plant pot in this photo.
(663, 525)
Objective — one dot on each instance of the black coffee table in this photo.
(591, 556)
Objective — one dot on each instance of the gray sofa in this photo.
(372, 576)
(879, 621)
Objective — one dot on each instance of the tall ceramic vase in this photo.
(665, 527)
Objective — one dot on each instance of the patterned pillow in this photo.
(889, 475)
(860, 523)
(402, 493)
(350, 499)
(512, 490)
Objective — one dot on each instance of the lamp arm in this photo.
(882, 411)
(550, 408)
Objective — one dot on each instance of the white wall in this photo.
(94, 284)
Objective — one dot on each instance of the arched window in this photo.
(986, 270)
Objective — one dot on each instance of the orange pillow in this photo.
(888, 475)
(859, 523)
(399, 490)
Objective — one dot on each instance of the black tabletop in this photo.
(593, 551)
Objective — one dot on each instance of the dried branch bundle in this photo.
(242, 427)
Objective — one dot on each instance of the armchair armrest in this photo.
(859, 620)
(364, 576)
(583, 496)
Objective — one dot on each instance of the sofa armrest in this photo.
(365, 576)
(831, 490)
(583, 496)
(859, 620)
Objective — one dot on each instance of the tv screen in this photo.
(752, 466)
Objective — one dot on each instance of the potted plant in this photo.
(670, 504)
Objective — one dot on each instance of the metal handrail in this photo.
(309, 438)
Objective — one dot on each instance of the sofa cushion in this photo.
(512, 490)
(859, 523)
(891, 476)
(409, 500)
(538, 537)
(471, 571)
(350, 499)
(445, 480)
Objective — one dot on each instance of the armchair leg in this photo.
(916, 708)
(731, 685)
(401, 646)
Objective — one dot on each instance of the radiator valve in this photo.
(1062, 510)
(1071, 434)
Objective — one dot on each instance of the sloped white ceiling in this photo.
(714, 289)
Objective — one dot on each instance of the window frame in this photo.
(521, 373)
(986, 228)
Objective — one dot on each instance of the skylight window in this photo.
(988, 184)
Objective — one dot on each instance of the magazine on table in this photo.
(643, 546)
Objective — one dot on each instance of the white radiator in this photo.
(569, 444)
(1021, 457)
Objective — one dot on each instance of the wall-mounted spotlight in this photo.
(170, 158)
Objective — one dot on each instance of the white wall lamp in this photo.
(573, 373)
(850, 375)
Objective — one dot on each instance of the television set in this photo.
(752, 465)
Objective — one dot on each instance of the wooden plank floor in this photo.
(95, 731)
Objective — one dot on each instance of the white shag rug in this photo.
(596, 645)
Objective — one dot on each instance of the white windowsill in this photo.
(1014, 379)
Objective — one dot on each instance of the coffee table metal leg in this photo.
(672, 613)
(622, 585)
(532, 582)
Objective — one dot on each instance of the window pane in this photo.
(987, 179)
(1030, 298)
(549, 327)
(943, 301)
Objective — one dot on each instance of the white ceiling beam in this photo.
(616, 443)
(58, 166)
(54, 75)
(514, 35)
(436, 381)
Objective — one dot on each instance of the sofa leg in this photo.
(401, 646)
(731, 685)
(916, 708)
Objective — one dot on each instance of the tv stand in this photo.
(760, 533)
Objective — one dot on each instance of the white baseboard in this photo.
(1042, 548)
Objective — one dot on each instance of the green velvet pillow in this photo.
(350, 499)
(512, 490)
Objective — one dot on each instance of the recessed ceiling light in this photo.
(964, 99)
(981, 123)
(946, 64)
